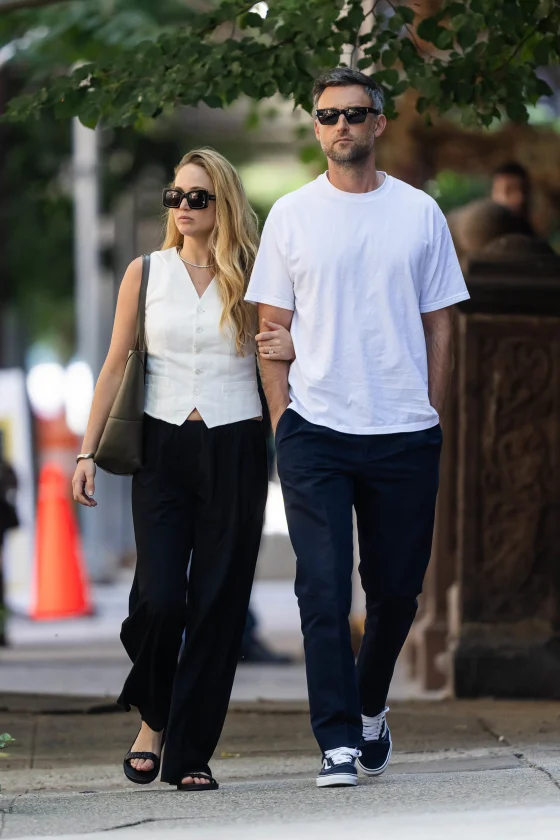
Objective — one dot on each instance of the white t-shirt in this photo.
(357, 270)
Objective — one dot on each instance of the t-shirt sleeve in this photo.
(444, 283)
(270, 280)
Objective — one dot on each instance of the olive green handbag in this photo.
(120, 449)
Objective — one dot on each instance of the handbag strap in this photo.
(141, 317)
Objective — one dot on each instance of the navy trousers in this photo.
(391, 480)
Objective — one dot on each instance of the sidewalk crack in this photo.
(130, 824)
(519, 755)
(528, 763)
(144, 822)
(501, 739)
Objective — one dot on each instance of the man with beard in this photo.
(362, 266)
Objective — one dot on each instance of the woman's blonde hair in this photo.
(233, 242)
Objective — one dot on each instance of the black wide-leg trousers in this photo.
(391, 480)
(198, 506)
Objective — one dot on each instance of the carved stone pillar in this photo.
(508, 485)
(489, 622)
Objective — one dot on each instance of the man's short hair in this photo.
(516, 170)
(346, 77)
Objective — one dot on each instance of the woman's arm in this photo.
(110, 378)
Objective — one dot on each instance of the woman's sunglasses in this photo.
(330, 116)
(196, 199)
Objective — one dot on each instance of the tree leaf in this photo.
(444, 40)
(387, 77)
(541, 52)
(406, 13)
(429, 29)
(212, 101)
(388, 58)
(355, 16)
(466, 37)
(516, 111)
(251, 20)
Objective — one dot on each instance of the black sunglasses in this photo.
(358, 114)
(196, 199)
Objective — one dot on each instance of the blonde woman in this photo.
(198, 503)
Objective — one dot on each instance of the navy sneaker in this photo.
(339, 768)
(376, 745)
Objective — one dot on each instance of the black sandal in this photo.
(212, 785)
(142, 777)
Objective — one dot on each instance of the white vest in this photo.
(192, 363)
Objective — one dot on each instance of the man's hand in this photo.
(275, 419)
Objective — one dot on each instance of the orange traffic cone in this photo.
(61, 589)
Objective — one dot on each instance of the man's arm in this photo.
(274, 374)
(438, 331)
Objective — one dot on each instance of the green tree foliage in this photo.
(475, 57)
(36, 266)
(36, 222)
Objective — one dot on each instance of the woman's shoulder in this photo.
(158, 260)
(133, 275)
(164, 255)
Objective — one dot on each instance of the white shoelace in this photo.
(342, 755)
(373, 726)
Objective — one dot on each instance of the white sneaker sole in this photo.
(337, 780)
(380, 770)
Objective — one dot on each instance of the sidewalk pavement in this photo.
(484, 768)
(490, 769)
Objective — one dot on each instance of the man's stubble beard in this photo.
(355, 155)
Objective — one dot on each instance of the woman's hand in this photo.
(275, 345)
(83, 483)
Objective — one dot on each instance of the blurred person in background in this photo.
(203, 486)
(363, 269)
(511, 188)
(499, 226)
(8, 519)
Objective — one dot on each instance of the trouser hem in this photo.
(155, 725)
(339, 737)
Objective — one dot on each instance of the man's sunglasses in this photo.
(196, 199)
(330, 116)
